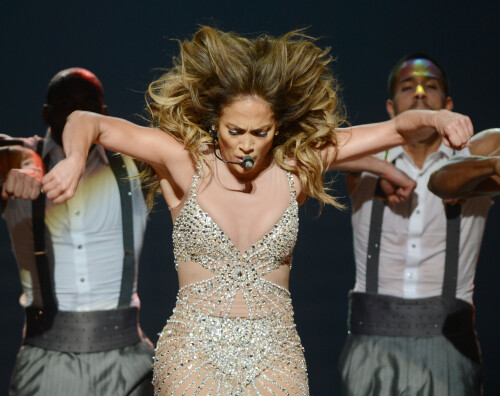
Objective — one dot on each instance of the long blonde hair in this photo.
(290, 73)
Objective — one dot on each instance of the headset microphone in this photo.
(247, 162)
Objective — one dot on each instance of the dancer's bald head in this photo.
(69, 90)
(66, 76)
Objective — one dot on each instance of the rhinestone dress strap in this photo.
(195, 180)
(291, 183)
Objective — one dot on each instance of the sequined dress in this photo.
(205, 349)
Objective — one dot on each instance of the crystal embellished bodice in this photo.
(237, 276)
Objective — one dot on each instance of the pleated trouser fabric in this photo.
(125, 371)
(410, 366)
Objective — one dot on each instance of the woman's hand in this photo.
(61, 182)
(455, 129)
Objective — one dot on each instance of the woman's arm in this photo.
(83, 129)
(149, 145)
(408, 127)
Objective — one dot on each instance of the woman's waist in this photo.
(191, 272)
(217, 298)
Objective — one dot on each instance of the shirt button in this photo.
(418, 211)
(82, 280)
(79, 246)
(77, 213)
(413, 245)
(409, 275)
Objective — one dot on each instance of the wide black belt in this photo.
(82, 332)
(383, 315)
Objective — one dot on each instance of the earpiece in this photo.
(213, 133)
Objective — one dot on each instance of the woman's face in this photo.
(246, 127)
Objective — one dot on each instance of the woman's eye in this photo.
(231, 132)
(261, 134)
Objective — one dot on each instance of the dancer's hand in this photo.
(24, 178)
(22, 183)
(397, 185)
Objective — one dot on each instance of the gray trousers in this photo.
(125, 371)
(410, 366)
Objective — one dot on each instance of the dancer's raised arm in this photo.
(411, 126)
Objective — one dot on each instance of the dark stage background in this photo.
(123, 43)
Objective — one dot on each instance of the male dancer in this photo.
(411, 313)
(78, 265)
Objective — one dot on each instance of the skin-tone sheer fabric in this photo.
(232, 331)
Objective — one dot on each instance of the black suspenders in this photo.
(38, 212)
(124, 184)
(373, 251)
(453, 216)
(452, 245)
(42, 263)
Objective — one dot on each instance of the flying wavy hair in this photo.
(290, 73)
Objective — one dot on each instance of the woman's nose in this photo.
(246, 144)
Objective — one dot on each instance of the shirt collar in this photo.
(50, 145)
(443, 150)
